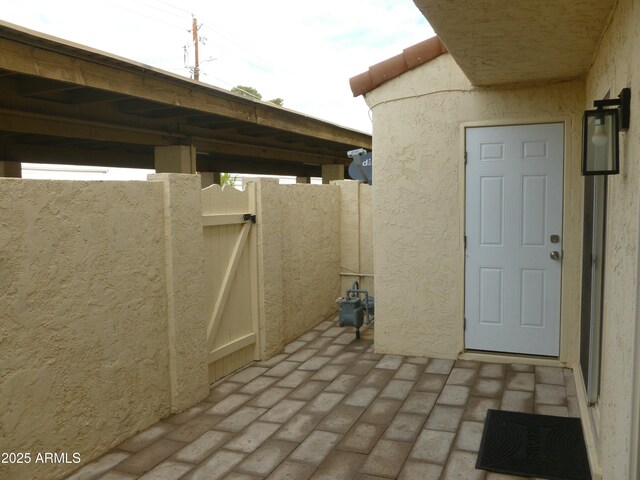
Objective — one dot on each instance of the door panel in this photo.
(491, 208)
(532, 293)
(513, 206)
(534, 196)
(491, 293)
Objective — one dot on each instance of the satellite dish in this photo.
(361, 167)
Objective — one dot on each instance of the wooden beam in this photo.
(25, 122)
(86, 96)
(76, 156)
(319, 148)
(42, 57)
(255, 167)
(118, 157)
(33, 87)
(149, 109)
(259, 151)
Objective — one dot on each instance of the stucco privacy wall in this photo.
(419, 136)
(299, 257)
(85, 326)
(184, 264)
(356, 235)
(617, 66)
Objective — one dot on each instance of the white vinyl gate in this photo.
(231, 277)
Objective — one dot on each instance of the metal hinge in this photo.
(465, 242)
(465, 158)
(465, 324)
(247, 216)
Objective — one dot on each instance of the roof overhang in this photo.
(66, 103)
(514, 41)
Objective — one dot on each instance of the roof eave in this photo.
(393, 67)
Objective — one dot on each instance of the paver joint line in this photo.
(328, 406)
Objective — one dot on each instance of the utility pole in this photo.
(196, 69)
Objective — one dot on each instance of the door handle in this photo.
(555, 255)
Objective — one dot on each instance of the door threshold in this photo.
(500, 357)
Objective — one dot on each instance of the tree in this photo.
(227, 179)
(251, 92)
(247, 92)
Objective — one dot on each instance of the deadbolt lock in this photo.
(554, 238)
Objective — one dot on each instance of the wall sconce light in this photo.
(600, 130)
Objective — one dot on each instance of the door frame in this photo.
(571, 268)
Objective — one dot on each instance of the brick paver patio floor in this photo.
(329, 408)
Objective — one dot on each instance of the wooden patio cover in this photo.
(69, 104)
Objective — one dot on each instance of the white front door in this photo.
(514, 238)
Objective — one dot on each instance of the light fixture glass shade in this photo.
(600, 142)
(600, 136)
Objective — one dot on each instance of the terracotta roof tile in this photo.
(393, 67)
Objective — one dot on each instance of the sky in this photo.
(304, 52)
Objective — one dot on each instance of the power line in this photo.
(155, 19)
(155, 7)
(251, 50)
(218, 31)
(173, 6)
(235, 40)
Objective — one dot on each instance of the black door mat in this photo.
(531, 445)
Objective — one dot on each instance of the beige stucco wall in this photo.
(418, 140)
(85, 360)
(184, 266)
(356, 235)
(617, 65)
(299, 258)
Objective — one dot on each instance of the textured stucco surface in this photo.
(616, 67)
(299, 255)
(418, 135)
(85, 360)
(507, 42)
(184, 263)
(356, 234)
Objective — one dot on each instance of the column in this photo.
(186, 318)
(209, 178)
(332, 172)
(175, 159)
(10, 169)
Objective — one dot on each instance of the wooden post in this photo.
(175, 159)
(10, 169)
(196, 68)
(209, 178)
(332, 172)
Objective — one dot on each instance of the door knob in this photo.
(555, 255)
